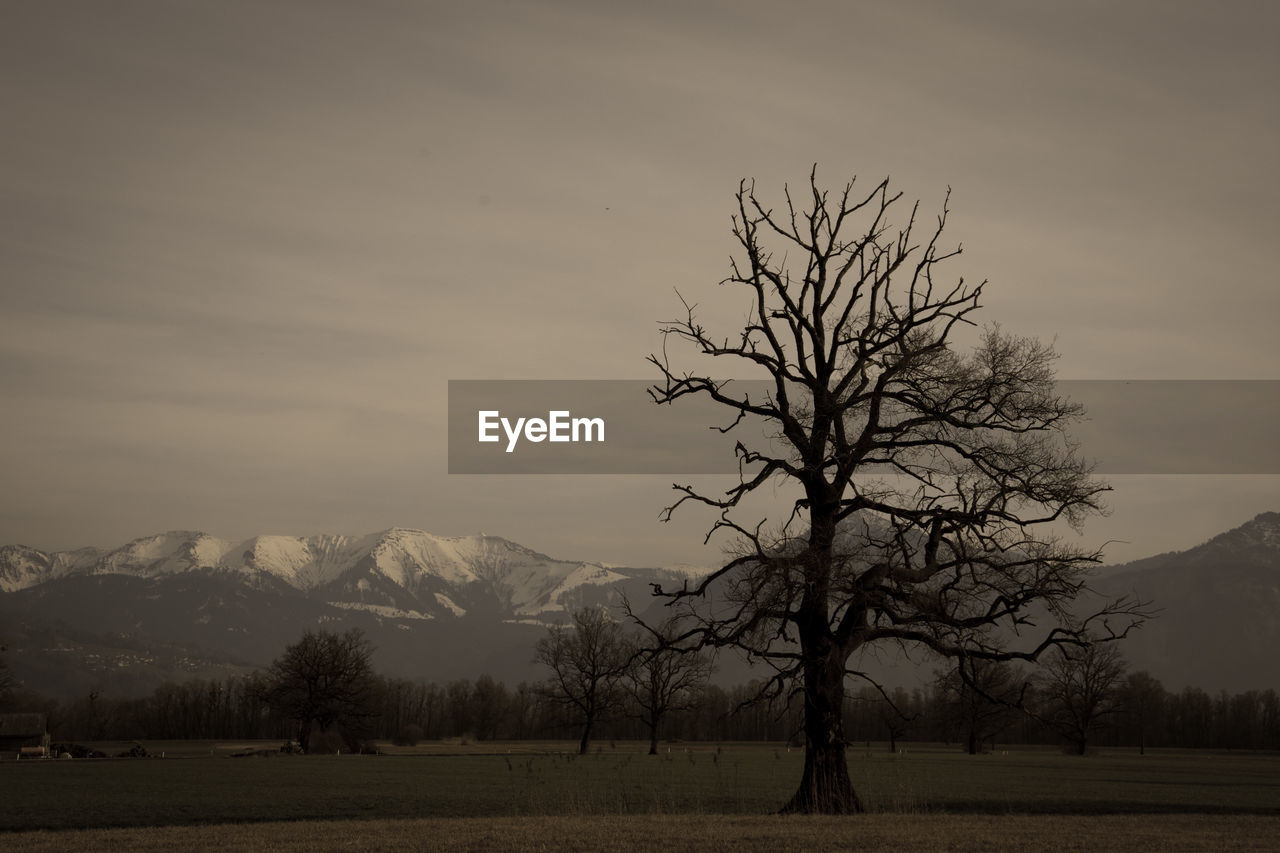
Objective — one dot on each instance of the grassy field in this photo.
(465, 791)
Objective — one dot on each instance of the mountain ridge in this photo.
(389, 568)
(446, 607)
(1218, 623)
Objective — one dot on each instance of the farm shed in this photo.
(23, 734)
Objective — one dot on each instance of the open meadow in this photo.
(540, 794)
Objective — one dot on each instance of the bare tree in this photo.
(491, 706)
(1142, 696)
(924, 476)
(1081, 690)
(981, 698)
(7, 682)
(662, 678)
(325, 680)
(587, 661)
(460, 707)
(885, 713)
(896, 717)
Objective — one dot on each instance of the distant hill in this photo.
(1219, 626)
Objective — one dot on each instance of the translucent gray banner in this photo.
(614, 427)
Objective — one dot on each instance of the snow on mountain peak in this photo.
(1262, 531)
(164, 553)
(302, 562)
(688, 570)
(21, 567)
(1260, 535)
(398, 568)
(1267, 525)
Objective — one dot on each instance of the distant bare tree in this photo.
(1142, 697)
(587, 661)
(927, 480)
(325, 680)
(1080, 688)
(457, 697)
(980, 699)
(7, 682)
(491, 705)
(896, 716)
(662, 678)
(884, 713)
(524, 707)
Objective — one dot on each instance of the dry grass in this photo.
(706, 797)
(689, 832)
(453, 780)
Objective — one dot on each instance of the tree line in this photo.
(323, 694)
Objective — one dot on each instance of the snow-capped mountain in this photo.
(21, 567)
(434, 606)
(395, 568)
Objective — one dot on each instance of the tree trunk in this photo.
(825, 787)
(304, 735)
(586, 737)
(973, 742)
(655, 715)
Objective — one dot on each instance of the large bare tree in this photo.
(925, 476)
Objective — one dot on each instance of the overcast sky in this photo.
(244, 245)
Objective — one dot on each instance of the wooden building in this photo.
(23, 735)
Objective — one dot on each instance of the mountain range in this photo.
(183, 604)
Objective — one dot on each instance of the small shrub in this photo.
(408, 735)
(76, 750)
(328, 742)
